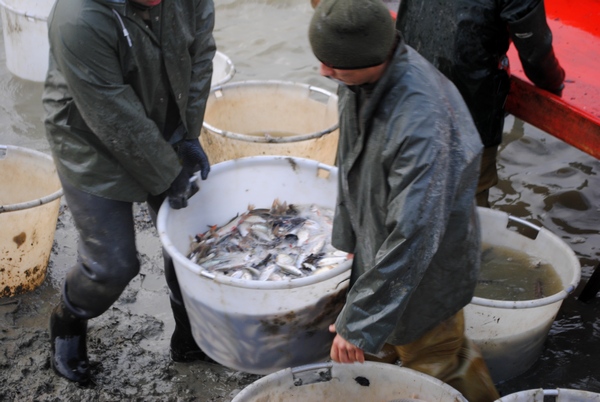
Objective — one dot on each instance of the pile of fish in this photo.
(270, 244)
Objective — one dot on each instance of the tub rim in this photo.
(274, 140)
(25, 14)
(544, 301)
(340, 270)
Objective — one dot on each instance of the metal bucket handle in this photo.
(321, 372)
(29, 204)
(507, 304)
(312, 90)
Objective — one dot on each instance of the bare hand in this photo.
(343, 351)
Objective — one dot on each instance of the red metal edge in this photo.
(554, 116)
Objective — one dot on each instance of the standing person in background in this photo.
(124, 97)
(467, 41)
(408, 159)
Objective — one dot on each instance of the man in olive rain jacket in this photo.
(408, 160)
(124, 97)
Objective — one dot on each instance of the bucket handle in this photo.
(29, 204)
(322, 371)
(33, 203)
(524, 227)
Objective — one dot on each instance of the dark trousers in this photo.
(488, 176)
(106, 256)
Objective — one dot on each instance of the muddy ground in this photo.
(542, 180)
(128, 348)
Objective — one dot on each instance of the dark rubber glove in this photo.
(181, 190)
(192, 158)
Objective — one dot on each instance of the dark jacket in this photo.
(467, 40)
(117, 88)
(408, 165)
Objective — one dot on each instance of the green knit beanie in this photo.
(351, 34)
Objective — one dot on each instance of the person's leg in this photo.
(183, 347)
(106, 263)
(488, 176)
(447, 354)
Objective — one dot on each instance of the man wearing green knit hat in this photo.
(408, 159)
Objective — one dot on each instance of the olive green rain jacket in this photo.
(408, 166)
(108, 87)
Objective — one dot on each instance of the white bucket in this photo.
(223, 69)
(511, 334)
(301, 121)
(29, 204)
(559, 394)
(25, 29)
(333, 382)
(251, 326)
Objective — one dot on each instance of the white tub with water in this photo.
(252, 118)
(511, 334)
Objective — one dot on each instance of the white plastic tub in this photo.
(251, 326)
(29, 205)
(24, 25)
(559, 394)
(25, 30)
(223, 69)
(333, 382)
(299, 120)
(511, 334)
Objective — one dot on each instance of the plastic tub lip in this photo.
(523, 304)
(26, 14)
(165, 209)
(287, 377)
(556, 392)
(4, 149)
(252, 138)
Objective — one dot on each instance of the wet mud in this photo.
(543, 180)
(128, 346)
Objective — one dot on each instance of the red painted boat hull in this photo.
(575, 117)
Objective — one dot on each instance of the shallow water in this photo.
(543, 180)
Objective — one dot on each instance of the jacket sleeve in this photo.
(202, 53)
(87, 57)
(533, 40)
(418, 208)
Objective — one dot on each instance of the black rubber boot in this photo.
(183, 346)
(68, 349)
